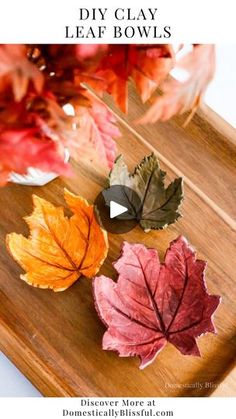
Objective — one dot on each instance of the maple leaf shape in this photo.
(153, 303)
(151, 67)
(59, 249)
(148, 65)
(95, 132)
(16, 69)
(89, 131)
(179, 97)
(159, 204)
(27, 149)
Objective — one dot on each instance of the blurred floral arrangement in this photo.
(37, 81)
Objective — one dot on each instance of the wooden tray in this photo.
(55, 338)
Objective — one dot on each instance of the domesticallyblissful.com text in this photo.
(118, 408)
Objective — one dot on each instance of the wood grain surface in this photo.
(55, 338)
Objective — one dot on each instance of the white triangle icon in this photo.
(116, 209)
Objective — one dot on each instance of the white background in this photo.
(221, 96)
(183, 408)
(44, 21)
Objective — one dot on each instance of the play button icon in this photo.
(118, 209)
